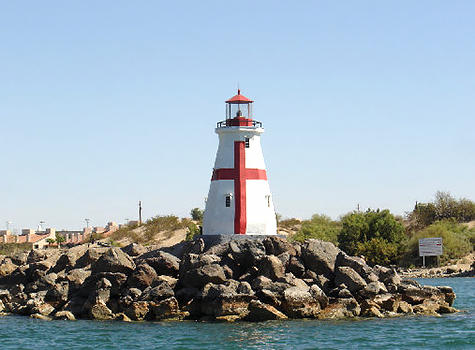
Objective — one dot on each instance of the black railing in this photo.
(232, 122)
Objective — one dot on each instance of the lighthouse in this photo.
(239, 200)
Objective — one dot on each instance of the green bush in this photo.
(193, 230)
(457, 239)
(378, 251)
(319, 227)
(373, 232)
(197, 214)
(444, 207)
(159, 223)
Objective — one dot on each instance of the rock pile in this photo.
(258, 279)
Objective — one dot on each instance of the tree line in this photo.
(385, 239)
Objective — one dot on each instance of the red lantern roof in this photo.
(239, 99)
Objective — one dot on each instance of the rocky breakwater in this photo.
(247, 279)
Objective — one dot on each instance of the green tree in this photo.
(59, 239)
(50, 240)
(197, 214)
(376, 234)
(318, 227)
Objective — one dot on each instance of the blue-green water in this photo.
(455, 331)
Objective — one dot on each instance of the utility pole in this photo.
(358, 207)
(140, 213)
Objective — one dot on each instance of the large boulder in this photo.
(198, 277)
(320, 256)
(157, 293)
(76, 278)
(58, 294)
(89, 257)
(271, 266)
(114, 260)
(164, 263)
(275, 245)
(300, 303)
(6, 268)
(358, 264)
(343, 308)
(67, 261)
(134, 249)
(142, 277)
(258, 311)
(350, 278)
(247, 252)
(100, 311)
(226, 299)
(167, 309)
(138, 311)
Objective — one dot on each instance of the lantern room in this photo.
(239, 106)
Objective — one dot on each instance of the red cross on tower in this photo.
(239, 174)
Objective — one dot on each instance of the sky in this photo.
(105, 103)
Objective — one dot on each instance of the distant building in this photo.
(38, 239)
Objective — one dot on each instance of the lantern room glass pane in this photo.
(240, 109)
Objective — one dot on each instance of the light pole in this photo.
(87, 223)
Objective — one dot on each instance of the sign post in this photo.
(430, 247)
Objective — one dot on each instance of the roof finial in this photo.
(239, 90)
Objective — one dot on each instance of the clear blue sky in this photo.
(104, 103)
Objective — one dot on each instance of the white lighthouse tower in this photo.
(239, 199)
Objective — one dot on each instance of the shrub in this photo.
(197, 214)
(319, 227)
(375, 234)
(378, 251)
(193, 230)
(457, 239)
(444, 207)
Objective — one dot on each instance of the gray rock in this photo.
(160, 292)
(247, 252)
(320, 257)
(319, 295)
(89, 257)
(298, 303)
(64, 315)
(373, 289)
(358, 264)
(346, 275)
(163, 263)
(270, 266)
(114, 260)
(142, 277)
(296, 267)
(275, 245)
(258, 312)
(58, 294)
(134, 249)
(200, 276)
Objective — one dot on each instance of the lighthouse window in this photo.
(228, 201)
(246, 142)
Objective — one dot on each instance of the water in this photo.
(455, 331)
